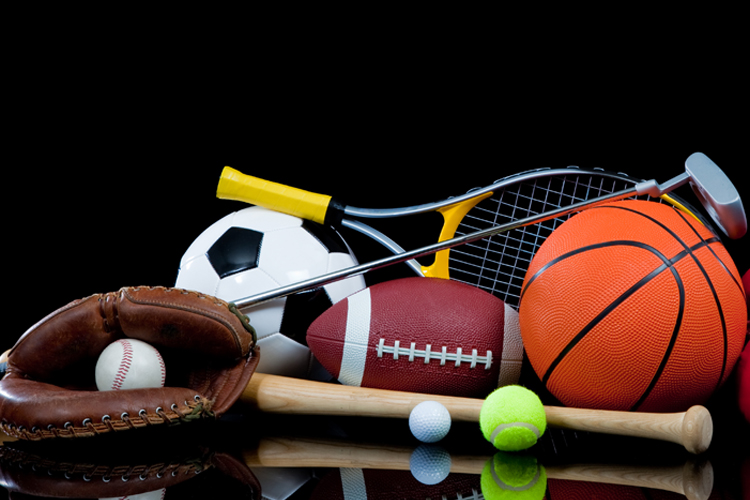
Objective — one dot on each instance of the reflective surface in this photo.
(250, 455)
(97, 237)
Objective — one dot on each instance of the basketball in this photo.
(633, 305)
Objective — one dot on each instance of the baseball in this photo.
(129, 364)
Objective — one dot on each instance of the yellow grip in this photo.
(234, 185)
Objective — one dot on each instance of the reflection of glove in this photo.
(49, 388)
(175, 465)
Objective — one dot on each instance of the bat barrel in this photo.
(692, 429)
(697, 429)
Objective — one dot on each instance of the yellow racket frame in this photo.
(234, 185)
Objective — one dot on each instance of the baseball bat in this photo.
(693, 479)
(693, 429)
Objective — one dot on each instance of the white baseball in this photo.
(129, 364)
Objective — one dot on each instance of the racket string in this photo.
(498, 264)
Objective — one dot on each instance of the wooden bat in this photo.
(693, 479)
(692, 429)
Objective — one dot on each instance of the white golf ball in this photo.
(429, 421)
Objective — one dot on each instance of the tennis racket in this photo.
(497, 263)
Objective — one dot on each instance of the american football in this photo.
(426, 335)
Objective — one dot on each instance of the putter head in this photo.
(717, 194)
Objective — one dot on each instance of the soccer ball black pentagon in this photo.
(255, 250)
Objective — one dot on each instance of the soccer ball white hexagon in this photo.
(255, 250)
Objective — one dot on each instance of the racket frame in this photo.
(428, 249)
(713, 188)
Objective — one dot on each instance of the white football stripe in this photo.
(356, 339)
(353, 484)
(512, 358)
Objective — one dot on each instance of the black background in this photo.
(98, 204)
(111, 163)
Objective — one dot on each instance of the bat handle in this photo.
(277, 394)
(692, 429)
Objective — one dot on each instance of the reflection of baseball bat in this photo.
(692, 429)
(692, 479)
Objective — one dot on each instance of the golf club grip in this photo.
(234, 185)
(692, 429)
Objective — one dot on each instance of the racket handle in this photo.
(692, 429)
(234, 185)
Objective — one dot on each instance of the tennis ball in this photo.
(513, 476)
(512, 418)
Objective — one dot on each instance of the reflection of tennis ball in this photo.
(509, 475)
(512, 418)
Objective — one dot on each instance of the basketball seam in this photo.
(675, 331)
(725, 332)
(572, 253)
(612, 306)
(718, 259)
(691, 251)
(667, 264)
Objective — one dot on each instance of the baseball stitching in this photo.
(124, 368)
(163, 370)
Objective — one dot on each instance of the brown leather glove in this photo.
(49, 388)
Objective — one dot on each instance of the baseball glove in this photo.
(49, 388)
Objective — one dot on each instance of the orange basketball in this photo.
(632, 305)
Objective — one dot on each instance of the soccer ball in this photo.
(255, 250)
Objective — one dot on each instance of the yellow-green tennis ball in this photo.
(513, 476)
(512, 418)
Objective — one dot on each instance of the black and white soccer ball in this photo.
(255, 250)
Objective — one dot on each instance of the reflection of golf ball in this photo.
(429, 421)
(430, 464)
